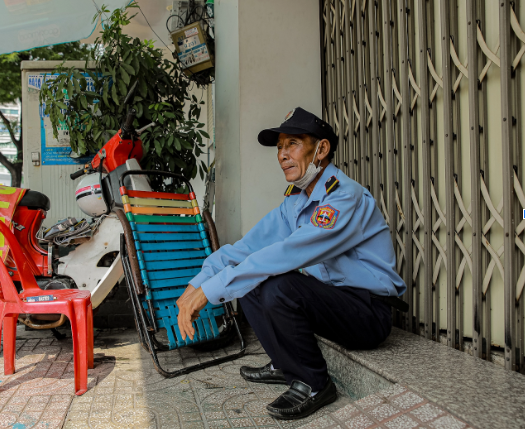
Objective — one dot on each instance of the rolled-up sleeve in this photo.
(306, 246)
(270, 229)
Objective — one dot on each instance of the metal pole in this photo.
(329, 65)
(323, 58)
(388, 94)
(473, 98)
(508, 187)
(339, 81)
(449, 174)
(349, 159)
(426, 194)
(407, 161)
(456, 133)
(485, 213)
(372, 40)
(361, 89)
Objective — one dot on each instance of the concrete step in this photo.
(476, 391)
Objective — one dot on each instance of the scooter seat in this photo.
(35, 200)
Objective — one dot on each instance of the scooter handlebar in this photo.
(127, 127)
(77, 174)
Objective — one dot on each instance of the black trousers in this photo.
(286, 311)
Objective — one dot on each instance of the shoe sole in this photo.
(264, 381)
(303, 415)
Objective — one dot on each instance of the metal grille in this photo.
(426, 97)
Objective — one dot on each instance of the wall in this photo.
(268, 62)
(52, 180)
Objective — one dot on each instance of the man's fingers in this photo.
(185, 326)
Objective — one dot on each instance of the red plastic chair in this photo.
(75, 304)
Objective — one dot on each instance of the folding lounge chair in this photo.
(163, 247)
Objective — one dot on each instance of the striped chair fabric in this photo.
(172, 244)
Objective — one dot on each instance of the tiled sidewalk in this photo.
(392, 408)
(125, 391)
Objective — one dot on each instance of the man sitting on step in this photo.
(330, 227)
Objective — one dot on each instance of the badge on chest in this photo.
(324, 217)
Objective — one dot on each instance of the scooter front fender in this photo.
(82, 263)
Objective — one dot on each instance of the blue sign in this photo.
(56, 151)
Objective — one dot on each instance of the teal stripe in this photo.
(167, 256)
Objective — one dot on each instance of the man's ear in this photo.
(324, 149)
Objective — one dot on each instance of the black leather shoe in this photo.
(296, 402)
(264, 374)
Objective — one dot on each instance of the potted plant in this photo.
(89, 101)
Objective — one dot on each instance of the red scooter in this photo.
(95, 263)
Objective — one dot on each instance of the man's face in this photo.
(295, 152)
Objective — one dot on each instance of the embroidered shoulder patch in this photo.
(324, 217)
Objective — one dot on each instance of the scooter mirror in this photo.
(141, 130)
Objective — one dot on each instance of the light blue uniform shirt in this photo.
(341, 238)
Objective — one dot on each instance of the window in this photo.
(9, 111)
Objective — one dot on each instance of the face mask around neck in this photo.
(311, 172)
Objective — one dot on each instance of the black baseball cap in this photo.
(300, 121)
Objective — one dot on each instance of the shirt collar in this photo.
(319, 190)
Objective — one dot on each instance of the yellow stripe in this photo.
(333, 184)
(2, 241)
(159, 203)
(7, 190)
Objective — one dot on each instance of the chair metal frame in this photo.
(137, 288)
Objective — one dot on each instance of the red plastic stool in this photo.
(75, 304)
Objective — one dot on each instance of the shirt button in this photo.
(221, 300)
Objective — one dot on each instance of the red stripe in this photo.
(87, 188)
(158, 195)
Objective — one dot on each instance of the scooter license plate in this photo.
(41, 298)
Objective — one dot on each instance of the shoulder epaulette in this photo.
(292, 190)
(331, 184)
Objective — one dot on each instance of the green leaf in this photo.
(135, 63)
(186, 144)
(158, 147)
(83, 101)
(126, 55)
(177, 144)
(204, 134)
(170, 140)
(139, 109)
(128, 68)
(105, 95)
(143, 88)
(114, 94)
(124, 75)
(180, 163)
(122, 87)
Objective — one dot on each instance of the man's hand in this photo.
(191, 302)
